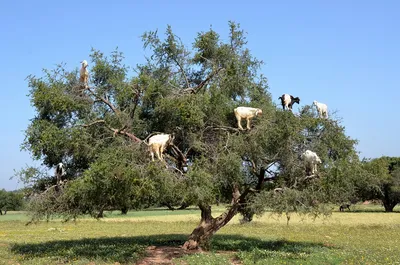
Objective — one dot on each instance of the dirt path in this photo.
(163, 255)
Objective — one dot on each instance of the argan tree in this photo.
(100, 133)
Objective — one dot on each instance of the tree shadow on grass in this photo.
(242, 243)
(371, 211)
(130, 249)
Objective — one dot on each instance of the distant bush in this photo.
(11, 201)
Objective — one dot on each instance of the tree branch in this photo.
(208, 60)
(223, 128)
(203, 83)
(136, 100)
(121, 131)
(261, 179)
(194, 90)
(105, 101)
(93, 123)
(253, 166)
(182, 71)
(206, 215)
(125, 133)
(181, 160)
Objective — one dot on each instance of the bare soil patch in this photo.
(163, 255)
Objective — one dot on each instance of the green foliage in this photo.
(206, 259)
(185, 113)
(167, 189)
(201, 185)
(11, 200)
(381, 181)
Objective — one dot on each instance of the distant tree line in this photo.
(11, 201)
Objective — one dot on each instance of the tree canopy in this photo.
(100, 133)
(381, 181)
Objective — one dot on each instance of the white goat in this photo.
(288, 101)
(311, 160)
(84, 74)
(246, 113)
(158, 143)
(59, 172)
(322, 109)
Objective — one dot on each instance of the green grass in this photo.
(14, 216)
(344, 238)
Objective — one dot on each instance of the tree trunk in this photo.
(208, 226)
(247, 213)
(169, 206)
(100, 214)
(389, 205)
(184, 206)
(388, 201)
(201, 235)
(124, 210)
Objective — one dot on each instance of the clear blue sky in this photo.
(343, 53)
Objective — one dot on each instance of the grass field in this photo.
(364, 236)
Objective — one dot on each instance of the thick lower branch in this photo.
(209, 226)
(206, 216)
(128, 134)
(179, 156)
(116, 131)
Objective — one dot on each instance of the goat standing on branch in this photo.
(246, 113)
(84, 75)
(322, 109)
(311, 160)
(59, 172)
(158, 143)
(288, 101)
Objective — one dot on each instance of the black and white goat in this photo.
(288, 101)
(59, 172)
